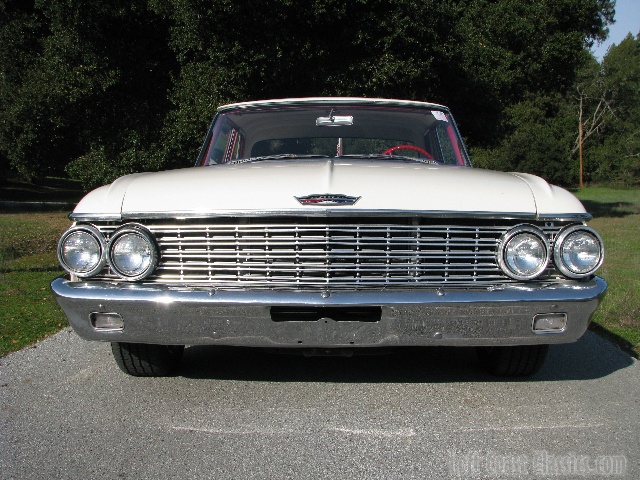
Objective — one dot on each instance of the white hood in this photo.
(381, 185)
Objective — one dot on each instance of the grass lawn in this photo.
(617, 218)
(28, 263)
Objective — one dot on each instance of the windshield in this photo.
(297, 132)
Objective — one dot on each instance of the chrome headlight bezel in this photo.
(560, 242)
(518, 232)
(92, 233)
(141, 233)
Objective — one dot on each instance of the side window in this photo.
(227, 143)
(442, 143)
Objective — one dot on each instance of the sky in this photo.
(627, 19)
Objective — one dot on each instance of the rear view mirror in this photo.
(334, 121)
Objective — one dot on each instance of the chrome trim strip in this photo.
(558, 291)
(584, 217)
(88, 217)
(92, 217)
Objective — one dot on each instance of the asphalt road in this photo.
(68, 412)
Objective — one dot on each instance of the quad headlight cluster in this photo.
(131, 252)
(524, 252)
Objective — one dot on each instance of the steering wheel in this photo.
(390, 151)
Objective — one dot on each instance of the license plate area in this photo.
(337, 314)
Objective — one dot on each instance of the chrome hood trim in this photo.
(567, 217)
(384, 186)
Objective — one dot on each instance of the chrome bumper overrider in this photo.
(447, 316)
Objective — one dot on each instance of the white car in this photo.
(328, 226)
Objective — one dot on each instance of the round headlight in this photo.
(81, 251)
(578, 251)
(132, 253)
(523, 253)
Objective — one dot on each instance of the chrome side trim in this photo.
(127, 216)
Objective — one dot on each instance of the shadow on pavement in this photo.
(590, 358)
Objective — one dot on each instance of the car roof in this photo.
(332, 101)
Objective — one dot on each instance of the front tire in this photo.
(147, 360)
(516, 361)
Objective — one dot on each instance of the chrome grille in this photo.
(327, 254)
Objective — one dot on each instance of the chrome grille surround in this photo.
(332, 253)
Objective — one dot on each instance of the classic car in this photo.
(329, 226)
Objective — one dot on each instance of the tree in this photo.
(93, 89)
(608, 101)
(477, 56)
(536, 140)
(95, 79)
(618, 158)
(20, 29)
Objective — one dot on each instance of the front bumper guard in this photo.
(497, 315)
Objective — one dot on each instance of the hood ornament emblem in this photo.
(327, 199)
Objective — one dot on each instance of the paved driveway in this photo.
(67, 412)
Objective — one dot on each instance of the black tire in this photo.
(518, 361)
(143, 360)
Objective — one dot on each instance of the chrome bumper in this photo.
(447, 316)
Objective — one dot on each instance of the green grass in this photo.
(28, 263)
(617, 218)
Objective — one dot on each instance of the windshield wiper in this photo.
(293, 156)
(380, 156)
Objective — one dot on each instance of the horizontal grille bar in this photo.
(332, 254)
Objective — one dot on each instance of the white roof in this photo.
(331, 101)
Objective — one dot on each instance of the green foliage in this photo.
(114, 87)
(534, 142)
(102, 165)
(619, 151)
(540, 135)
(95, 74)
(608, 95)
(476, 56)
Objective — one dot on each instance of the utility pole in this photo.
(580, 142)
